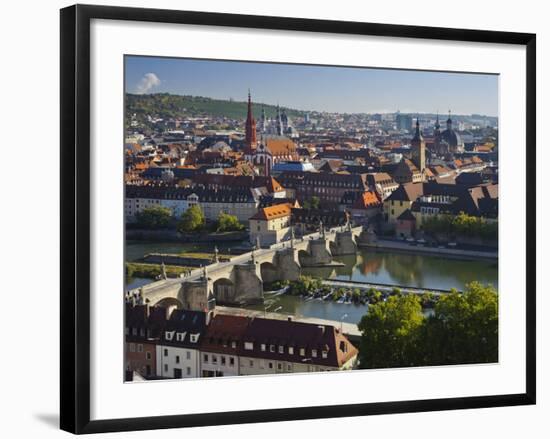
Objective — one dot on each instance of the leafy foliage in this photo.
(167, 106)
(192, 220)
(305, 285)
(228, 223)
(462, 330)
(155, 217)
(312, 203)
(462, 224)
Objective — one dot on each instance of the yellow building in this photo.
(400, 200)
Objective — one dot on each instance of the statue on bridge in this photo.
(216, 256)
(163, 270)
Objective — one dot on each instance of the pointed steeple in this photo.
(418, 148)
(279, 122)
(250, 126)
(417, 133)
(437, 126)
(449, 122)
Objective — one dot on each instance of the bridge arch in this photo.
(303, 257)
(269, 272)
(170, 303)
(224, 290)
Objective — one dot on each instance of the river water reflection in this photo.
(423, 271)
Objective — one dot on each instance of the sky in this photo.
(317, 88)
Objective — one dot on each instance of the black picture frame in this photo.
(75, 217)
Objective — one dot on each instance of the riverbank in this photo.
(172, 235)
(152, 271)
(408, 248)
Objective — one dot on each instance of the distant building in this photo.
(404, 122)
(292, 166)
(448, 142)
(328, 187)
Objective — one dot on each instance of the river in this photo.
(422, 271)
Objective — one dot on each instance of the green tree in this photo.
(462, 330)
(155, 217)
(228, 223)
(192, 220)
(312, 203)
(389, 332)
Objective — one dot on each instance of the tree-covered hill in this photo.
(166, 106)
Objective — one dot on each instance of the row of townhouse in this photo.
(192, 344)
(242, 203)
(412, 204)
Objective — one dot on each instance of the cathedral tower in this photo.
(250, 127)
(418, 147)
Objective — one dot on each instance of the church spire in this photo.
(418, 149)
(417, 133)
(250, 126)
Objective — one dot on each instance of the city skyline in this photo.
(317, 88)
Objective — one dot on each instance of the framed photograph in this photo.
(275, 218)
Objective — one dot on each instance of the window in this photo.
(165, 352)
(271, 348)
(262, 346)
(231, 361)
(180, 336)
(169, 335)
(132, 347)
(343, 346)
(188, 371)
(223, 360)
(140, 347)
(248, 345)
(279, 366)
(289, 367)
(291, 350)
(270, 365)
(166, 368)
(281, 349)
(177, 359)
(148, 355)
(134, 331)
(234, 344)
(302, 352)
(324, 354)
(251, 363)
(314, 352)
(205, 358)
(214, 359)
(188, 355)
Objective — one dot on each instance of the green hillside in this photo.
(166, 105)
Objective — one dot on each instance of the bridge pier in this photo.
(196, 295)
(318, 254)
(248, 284)
(344, 244)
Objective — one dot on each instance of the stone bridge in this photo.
(240, 281)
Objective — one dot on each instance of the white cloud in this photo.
(147, 83)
